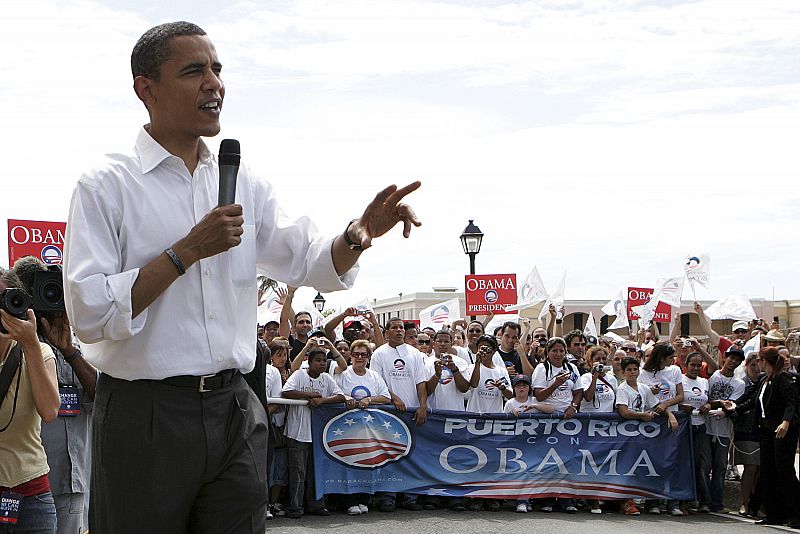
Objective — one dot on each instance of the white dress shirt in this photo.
(123, 215)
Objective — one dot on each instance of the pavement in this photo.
(506, 521)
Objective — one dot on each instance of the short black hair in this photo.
(572, 334)
(298, 314)
(408, 325)
(513, 325)
(152, 48)
(489, 340)
(628, 360)
(444, 332)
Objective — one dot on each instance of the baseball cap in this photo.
(317, 332)
(740, 325)
(736, 350)
(520, 378)
(591, 341)
(354, 324)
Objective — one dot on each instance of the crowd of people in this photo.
(518, 368)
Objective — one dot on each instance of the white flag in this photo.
(618, 307)
(590, 329)
(670, 290)
(615, 337)
(646, 312)
(698, 269)
(530, 293)
(736, 307)
(363, 306)
(270, 310)
(438, 315)
(753, 345)
(556, 298)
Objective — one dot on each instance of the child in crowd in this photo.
(317, 387)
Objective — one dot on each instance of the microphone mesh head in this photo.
(229, 152)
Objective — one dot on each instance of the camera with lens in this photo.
(15, 302)
(48, 291)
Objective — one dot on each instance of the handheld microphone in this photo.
(229, 157)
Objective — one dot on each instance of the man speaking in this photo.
(161, 286)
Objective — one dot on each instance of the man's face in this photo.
(508, 338)
(631, 371)
(442, 343)
(577, 347)
(270, 332)
(411, 337)
(351, 334)
(189, 81)
(740, 333)
(731, 363)
(395, 333)
(303, 325)
(317, 363)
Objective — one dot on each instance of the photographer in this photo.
(65, 439)
(30, 397)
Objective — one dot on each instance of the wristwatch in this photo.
(350, 243)
(72, 357)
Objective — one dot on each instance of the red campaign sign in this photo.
(639, 296)
(490, 293)
(42, 239)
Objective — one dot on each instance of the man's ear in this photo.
(143, 87)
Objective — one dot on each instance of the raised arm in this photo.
(287, 315)
(705, 324)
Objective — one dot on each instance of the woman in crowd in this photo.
(555, 382)
(343, 347)
(277, 374)
(361, 387)
(746, 447)
(32, 397)
(775, 398)
(665, 380)
(695, 390)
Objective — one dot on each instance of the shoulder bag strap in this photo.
(9, 370)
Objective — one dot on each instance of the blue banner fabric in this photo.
(498, 456)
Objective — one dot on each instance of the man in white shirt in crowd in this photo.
(317, 387)
(447, 384)
(160, 284)
(402, 368)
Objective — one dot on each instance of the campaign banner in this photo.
(43, 239)
(490, 293)
(639, 296)
(455, 454)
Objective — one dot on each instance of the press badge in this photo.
(70, 401)
(9, 508)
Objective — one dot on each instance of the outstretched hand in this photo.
(383, 213)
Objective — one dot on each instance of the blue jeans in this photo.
(719, 446)
(37, 515)
(702, 463)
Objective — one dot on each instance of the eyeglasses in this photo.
(424, 341)
(475, 331)
(359, 355)
(630, 349)
(578, 344)
(740, 331)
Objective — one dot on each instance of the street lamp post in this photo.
(471, 239)
(319, 302)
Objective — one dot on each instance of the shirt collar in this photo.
(151, 153)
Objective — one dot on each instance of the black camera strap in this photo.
(7, 374)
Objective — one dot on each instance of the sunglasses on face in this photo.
(629, 349)
(475, 331)
(424, 341)
(359, 355)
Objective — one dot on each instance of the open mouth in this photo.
(213, 106)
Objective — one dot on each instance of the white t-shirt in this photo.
(402, 369)
(486, 398)
(333, 365)
(545, 374)
(667, 379)
(521, 407)
(446, 396)
(274, 388)
(471, 358)
(637, 400)
(357, 386)
(695, 394)
(604, 394)
(721, 387)
(298, 420)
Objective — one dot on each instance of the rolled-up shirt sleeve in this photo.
(98, 291)
(293, 251)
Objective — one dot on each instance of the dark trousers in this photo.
(781, 489)
(301, 477)
(173, 460)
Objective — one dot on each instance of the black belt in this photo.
(204, 383)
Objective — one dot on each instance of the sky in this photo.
(607, 138)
